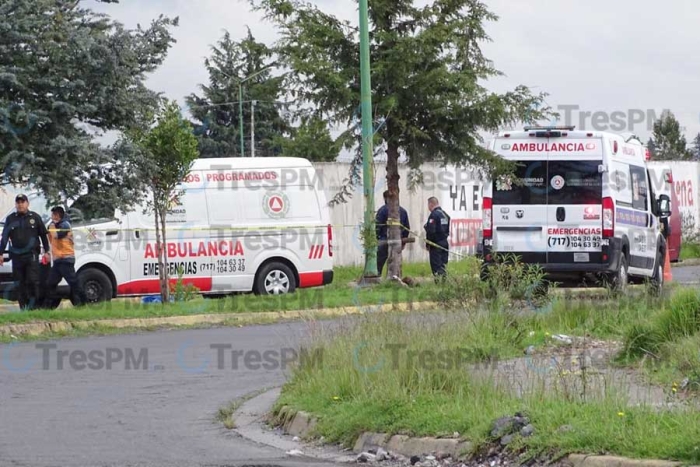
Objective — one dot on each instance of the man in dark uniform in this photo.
(24, 229)
(381, 220)
(437, 231)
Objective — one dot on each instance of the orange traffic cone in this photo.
(668, 277)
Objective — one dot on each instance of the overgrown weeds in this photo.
(417, 374)
(507, 280)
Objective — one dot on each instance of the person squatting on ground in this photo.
(437, 231)
(63, 252)
(381, 220)
(23, 229)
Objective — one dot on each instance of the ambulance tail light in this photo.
(608, 218)
(488, 218)
(330, 240)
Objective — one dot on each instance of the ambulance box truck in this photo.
(579, 203)
(257, 225)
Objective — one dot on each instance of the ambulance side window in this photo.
(639, 188)
(575, 182)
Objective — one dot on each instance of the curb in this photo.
(408, 447)
(299, 423)
(580, 460)
(302, 424)
(35, 329)
(686, 262)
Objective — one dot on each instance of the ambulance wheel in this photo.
(274, 279)
(657, 280)
(620, 279)
(96, 285)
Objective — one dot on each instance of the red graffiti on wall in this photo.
(684, 191)
(464, 232)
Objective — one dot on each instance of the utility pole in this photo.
(240, 101)
(240, 114)
(370, 273)
(252, 128)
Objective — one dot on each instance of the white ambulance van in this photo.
(241, 225)
(579, 203)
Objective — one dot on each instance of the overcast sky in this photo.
(629, 56)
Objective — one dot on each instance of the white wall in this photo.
(686, 181)
(458, 190)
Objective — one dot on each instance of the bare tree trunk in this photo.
(160, 248)
(165, 286)
(392, 182)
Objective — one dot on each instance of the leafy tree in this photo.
(311, 140)
(216, 111)
(696, 147)
(65, 70)
(427, 68)
(163, 156)
(669, 141)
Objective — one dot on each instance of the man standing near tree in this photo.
(381, 220)
(437, 231)
(63, 252)
(23, 229)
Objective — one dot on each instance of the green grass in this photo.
(338, 294)
(668, 341)
(406, 375)
(690, 250)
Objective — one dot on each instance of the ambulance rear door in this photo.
(575, 202)
(519, 203)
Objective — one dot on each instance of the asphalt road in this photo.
(686, 274)
(164, 415)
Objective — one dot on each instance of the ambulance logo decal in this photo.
(92, 238)
(557, 182)
(176, 212)
(276, 205)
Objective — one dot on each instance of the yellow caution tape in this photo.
(392, 222)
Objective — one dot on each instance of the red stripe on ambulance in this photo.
(310, 279)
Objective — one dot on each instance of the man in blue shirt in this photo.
(381, 220)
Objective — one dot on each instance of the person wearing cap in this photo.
(63, 254)
(24, 229)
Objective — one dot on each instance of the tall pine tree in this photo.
(216, 111)
(669, 141)
(427, 80)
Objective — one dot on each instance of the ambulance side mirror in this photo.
(664, 206)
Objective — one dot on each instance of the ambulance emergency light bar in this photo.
(549, 131)
(570, 128)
